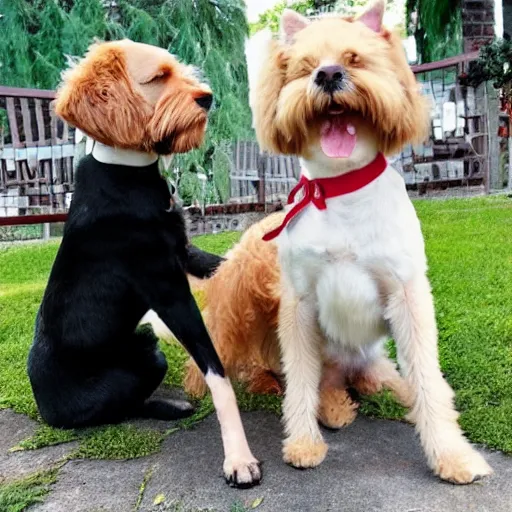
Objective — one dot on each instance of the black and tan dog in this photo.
(125, 252)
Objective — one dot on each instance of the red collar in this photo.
(317, 191)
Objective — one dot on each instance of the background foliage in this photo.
(438, 28)
(493, 64)
(37, 35)
(437, 24)
(270, 18)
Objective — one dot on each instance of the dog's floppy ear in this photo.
(271, 132)
(97, 97)
(373, 16)
(412, 121)
(291, 23)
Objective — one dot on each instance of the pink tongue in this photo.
(338, 138)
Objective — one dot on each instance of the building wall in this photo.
(507, 18)
(477, 23)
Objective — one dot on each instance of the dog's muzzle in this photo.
(330, 78)
(205, 101)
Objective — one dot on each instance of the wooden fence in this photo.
(37, 151)
(260, 177)
(36, 154)
(462, 133)
(456, 160)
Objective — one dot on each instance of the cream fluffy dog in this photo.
(339, 93)
(242, 317)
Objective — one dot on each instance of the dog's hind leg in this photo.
(300, 341)
(410, 312)
(194, 383)
(177, 308)
(382, 374)
(259, 379)
(114, 394)
(262, 381)
(336, 408)
(266, 376)
(150, 366)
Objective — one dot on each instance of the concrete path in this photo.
(16, 465)
(372, 466)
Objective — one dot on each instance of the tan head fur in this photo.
(135, 96)
(378, 91)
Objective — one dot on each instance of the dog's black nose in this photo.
(330, 78)
(205, 101)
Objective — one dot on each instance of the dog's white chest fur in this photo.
(335, 257)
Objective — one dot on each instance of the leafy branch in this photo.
(492, 65)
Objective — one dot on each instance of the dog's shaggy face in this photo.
(328, 80)
(135, 96)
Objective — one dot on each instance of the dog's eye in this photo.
(155, 78)
(302, 69)
(352, 59)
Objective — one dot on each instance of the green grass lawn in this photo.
(23, 275)
(469, 245)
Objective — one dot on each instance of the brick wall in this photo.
(228, 217)
(507, 17)
(477, 23)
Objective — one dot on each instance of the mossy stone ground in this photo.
(469, 246)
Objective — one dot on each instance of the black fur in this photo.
(123, 252)
(202, 264)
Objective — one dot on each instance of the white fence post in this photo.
(46, 231)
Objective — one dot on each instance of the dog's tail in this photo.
(202, 264)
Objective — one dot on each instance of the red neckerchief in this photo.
(317, 191)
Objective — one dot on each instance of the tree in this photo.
(317, 4)
(270, 18)
(493, 65)
(38, 35)
(437, 27)
(211, 34)
(348, 6)
(15, 27)
(152, 7)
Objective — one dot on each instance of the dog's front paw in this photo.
(462, 466)
(242, 472)
(304, 452)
